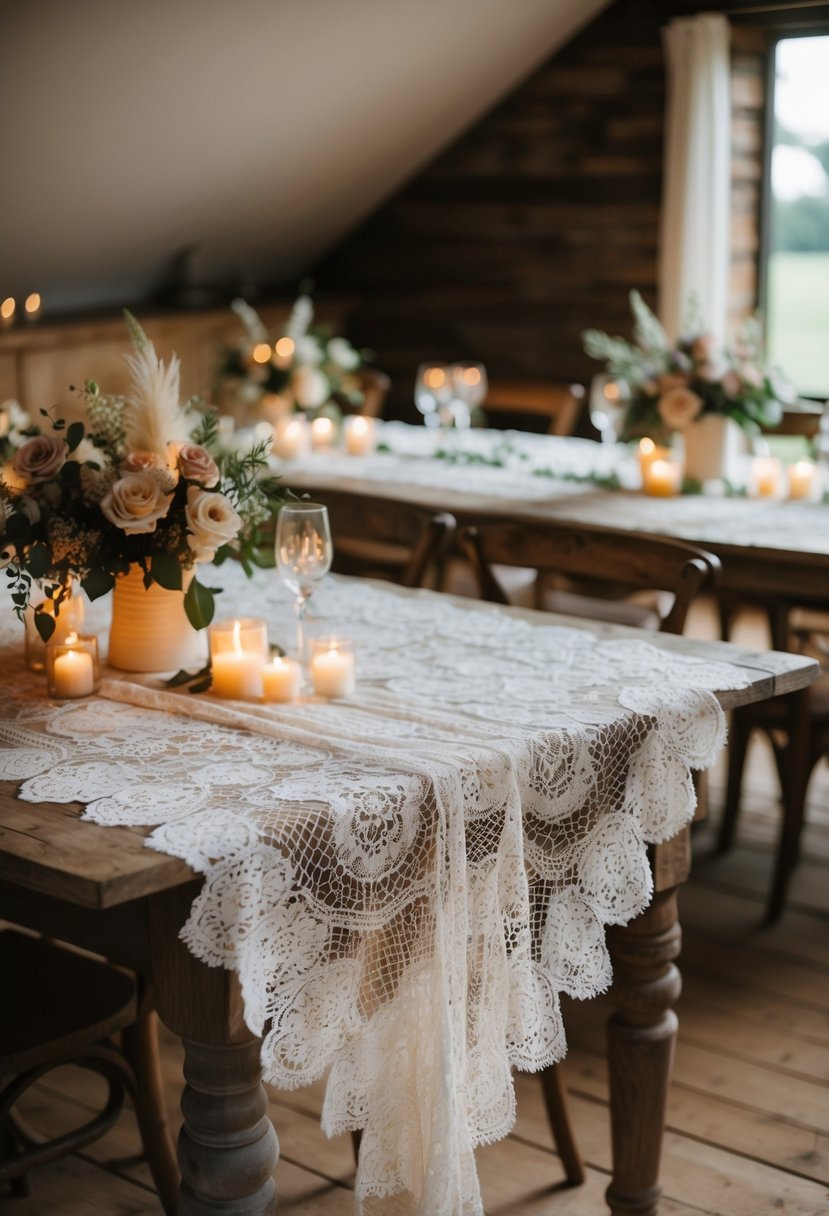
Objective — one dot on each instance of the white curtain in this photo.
(696, 196)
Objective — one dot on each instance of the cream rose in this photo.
(39, 459)
(136, 503)
(211, 520)
(678, 407)
(672, 380)
(310, 387)
(196, 464)
(142, 462)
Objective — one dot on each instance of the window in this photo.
(797, 267)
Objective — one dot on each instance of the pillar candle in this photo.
(322, 433)
(802, 479)
(360, 435)
(766, 476)
(238, 650)
(661, 478)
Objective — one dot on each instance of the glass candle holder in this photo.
(332, 667)
(281, 679)
(72, 668)
(360, 435)
(238, 652)
(323, 433)
(69, 619)
(292, 438)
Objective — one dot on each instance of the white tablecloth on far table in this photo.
(407, 880)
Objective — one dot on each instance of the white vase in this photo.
(712, 448)
(150, 630)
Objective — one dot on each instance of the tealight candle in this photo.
(802, 478)
(7, 312)
(766, 476)
(662, 478)
(648, 452)
(360, 435)
(322, 433)
(238, 650)
(292, 438)
(283, 352)
(72, 666)
(332, 668)
(281, 679)
(68, 619)
(32, 306)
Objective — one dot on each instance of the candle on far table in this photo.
(662, 478)
(647, 452)
(32, 307)
(292, 438)
(7, 312)
(72, 666)
(238, 650)
(281, 679)
(283, 351)
(322, 433)
(332, 667)
(802, 479)
(360, 435)
(766, 477)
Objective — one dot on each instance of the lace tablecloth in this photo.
(407, 880)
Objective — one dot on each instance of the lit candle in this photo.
(71, 669)
(766, 476)
(292, 438)
(802, 479)
(69, 620)
(283, 351)
(648, 452)
(32, 306)
(281, 679)
(322, 433)
(332, 668)
(360, 435)
(662, 478)
(7, 311)
(237, 667)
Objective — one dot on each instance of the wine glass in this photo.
(303, 552)
(469, 387)
(433, 393)
(608, 402)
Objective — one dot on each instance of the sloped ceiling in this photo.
(259, 130)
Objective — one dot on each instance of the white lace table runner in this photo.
(407, 880)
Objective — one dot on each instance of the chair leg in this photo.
(797, 761)
(738, 739)
(140, 1045)
(556, 1102)
(356, 1139)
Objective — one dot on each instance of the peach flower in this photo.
(142, 462)
(211, 520)
(40, 459)
(136, 503)
(678, 407)
(196, 464)
(672, 380)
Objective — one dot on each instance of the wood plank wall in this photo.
(538, 221)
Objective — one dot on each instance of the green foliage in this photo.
(199, 605)
(801, 225)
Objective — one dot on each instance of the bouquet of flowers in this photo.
(138, 480)
(306, 368)
(672, 386)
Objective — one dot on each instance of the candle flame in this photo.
(32, 302)
(646, 446)
(261, 353)
(71, 639)
(7, 308)
(285, 347)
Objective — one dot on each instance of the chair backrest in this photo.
(600, 555)
(378, 536)
(375, 386)
(557, 404)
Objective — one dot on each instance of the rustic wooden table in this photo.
(100, 888)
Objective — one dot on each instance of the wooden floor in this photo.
(748, 1118)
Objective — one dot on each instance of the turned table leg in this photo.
(641, 1035)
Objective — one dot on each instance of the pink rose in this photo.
(40, 459)
(211, 521)
(136, 502)
(672, 380)
(142, 462)
(678, 407)
(751, 376)
(196, 464)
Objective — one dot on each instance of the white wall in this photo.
(260, 129)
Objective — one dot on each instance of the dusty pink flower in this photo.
(731, 383)
(136, 503)
(142, 462)
(196, 464)
(211, 521)
(40, 459)
(751, 375)
(678, 407)
(672, 380)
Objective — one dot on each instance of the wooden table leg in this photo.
(227, 1146)
(641, 1034)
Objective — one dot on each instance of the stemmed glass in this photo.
(469, 385)
(303, 552)
(433, 393)
(608, 401)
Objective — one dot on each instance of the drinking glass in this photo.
(608, 401)
(433, 393)
(303, 552)
(469, 388)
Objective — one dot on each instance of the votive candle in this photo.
(72, 666)
(360, 435)
(332, 667)
(647, 452)
(292, 438)
(802, 477)
(281, 679)
(238, 650)
(662, 478)
(322, 433)
(766, 476)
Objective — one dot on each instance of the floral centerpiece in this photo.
(138, 482)
(305, 368)
(672, 386)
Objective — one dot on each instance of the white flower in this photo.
(310, 387)
(40, 459)
(86, 451)
(29, 507)
(211, 521)
(307, 350)
(678, 407)
(135, 503)
(302, 314)
(343, 354)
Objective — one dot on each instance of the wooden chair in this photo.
(377, 537)
(555, 406)
(374, 386)
(797, 726)
(59, 1008)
